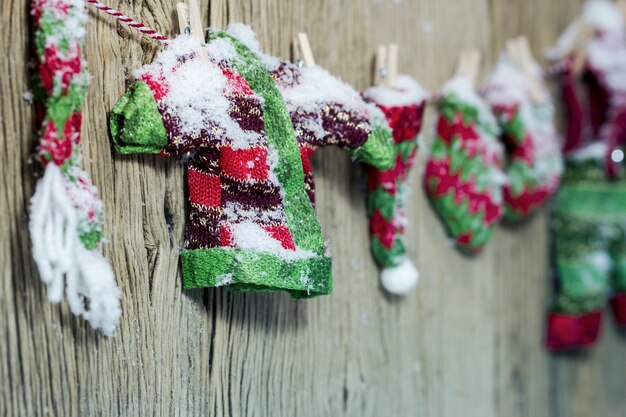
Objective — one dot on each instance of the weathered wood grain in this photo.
(468, 342)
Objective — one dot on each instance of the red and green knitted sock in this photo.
(534, 163)
(463, 178)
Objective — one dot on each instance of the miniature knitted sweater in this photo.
(252, 225)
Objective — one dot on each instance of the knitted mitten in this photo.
(403, 106)
(534, 164)
(252, 224)
(463, 178)
(66, 215)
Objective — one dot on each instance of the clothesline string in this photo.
(146, 30)
(550, 71)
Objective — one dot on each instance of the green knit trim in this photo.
(585, 283)
(575, 237)
(619, 274)
(405, 149)
(458, 221)
(470, 169)
(381, 200)
(583, 288)
(89, 235)
(566, 305)
(387, 257)
(61, 107)
(595, 199)
(587, 171)
(378, 150)
(136, 123)
(521, 175)
(249, 270)
(512, 215)
(301, 218)
(514, 128)
(51, 24)
(438, 149)
(453, 104)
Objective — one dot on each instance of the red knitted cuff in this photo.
(618, 302)
(566, 331)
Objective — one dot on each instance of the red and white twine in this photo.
(146, 30)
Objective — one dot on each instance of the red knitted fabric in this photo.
(571, 331)
(220, 175)
(618, 303)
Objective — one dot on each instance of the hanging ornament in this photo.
(589, 219)
(247, 124)
(66, 215)
(463, 178)
(403, 107)
(534, 164)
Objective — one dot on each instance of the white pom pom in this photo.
(400, 279)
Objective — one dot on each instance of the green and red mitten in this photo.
(252, 224)
(463, 178)
(66, 214)
(534, 164)
(403, 107)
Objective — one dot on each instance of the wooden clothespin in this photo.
(519, 52)
(190, 22)
(512, 53)
(386, 65)
(469, 64)
(380, 65)
(302, 52)
(392, 65)
(584, 34)
(577, 49)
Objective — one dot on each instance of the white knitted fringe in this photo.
(62, 260)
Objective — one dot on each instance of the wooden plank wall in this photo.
(466, 343)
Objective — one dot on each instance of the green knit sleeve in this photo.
(136, 124)
(378, 150)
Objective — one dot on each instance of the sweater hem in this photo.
(250, 270)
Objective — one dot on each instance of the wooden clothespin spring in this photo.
(469, 65)
(519, 52)
(386, 65)
(190, 22)
(302, 53)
